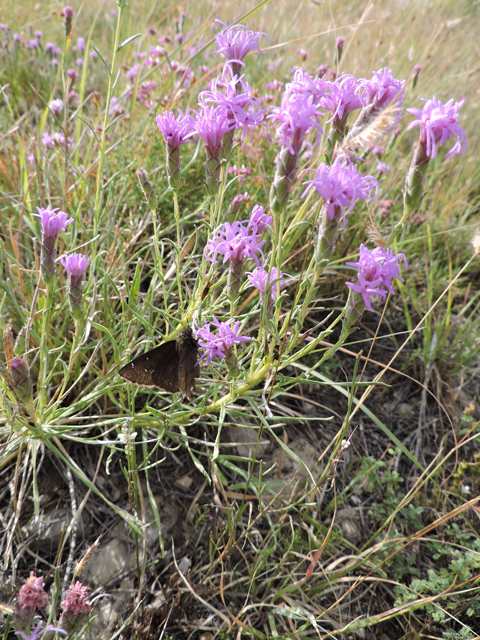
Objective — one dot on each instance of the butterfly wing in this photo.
(188, 369)
(156, 368)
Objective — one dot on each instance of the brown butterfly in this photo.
(173, 366)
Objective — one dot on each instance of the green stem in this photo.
(103, 142)
(43, 373)
(177, 222)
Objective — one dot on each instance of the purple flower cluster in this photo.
(221, 343)
(340, 184)
(438, 122)
(376, 270)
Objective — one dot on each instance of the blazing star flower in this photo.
(376, 270)
(259, 221)
(297, 115)
(75, 264)
(234, 242)
(47, 140)
(236, 41)
(39, 632)
(219, 344)
(21, 382)
(80, 45)
(259, 279)
(304, 84)
(33, 44)
(382, 90)
(175, 130)
(73, 75)
(56, 107)
(341, 97)
(52, 49)
(68, 14)
(340, 185)
(52, 224)
(438, 122)
(211, 124)
(243, 109)
(383, 167)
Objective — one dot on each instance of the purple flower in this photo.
(376, 270)
(52, 49)
(33, 44)
(339, 42)
(93, 54)
(211, 124)
(31, 596)
(341, 97)
(56, 107)
(219, 344)
(236, 41)
(75, 264)
(258, 278)
(68, 14)
(79, 61)
(38, 34)
(22, 384)
(116, 108)
(76, 600)
(383, 90)
(383, 167)
(234, 242)
(340, 185)
(438, 123)
(306, 85)
(38, 631)
(242, 109)
(259, 221)
(80, 44)
(297, 115)
(175, 130)
(52, 222)
(47, 140)
(73, 75)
